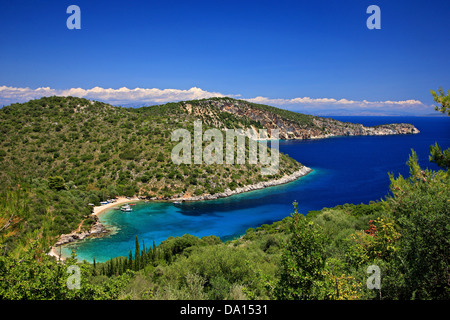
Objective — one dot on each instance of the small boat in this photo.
(126, 208)
(177, 203)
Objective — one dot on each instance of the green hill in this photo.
(57, 155)
(67, 152)
(95, 146)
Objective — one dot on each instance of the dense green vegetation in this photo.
(62, 153)
(321, 255)
(324, 255)
(32, 215)
(95, 146)
(443, 101)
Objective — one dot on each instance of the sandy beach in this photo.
(119, 200)
(55, 250)
(122, 200)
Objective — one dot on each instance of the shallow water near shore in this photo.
(346, 170)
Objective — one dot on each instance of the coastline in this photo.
(119, 200)
(98, 228)
(260, 185)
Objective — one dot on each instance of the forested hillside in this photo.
(67, 152)
(323, 255)
(59, 154)
(95, 146)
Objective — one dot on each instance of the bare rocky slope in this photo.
(291, 125)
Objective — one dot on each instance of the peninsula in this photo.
(70, 152)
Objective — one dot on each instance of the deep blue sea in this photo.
(346, 170)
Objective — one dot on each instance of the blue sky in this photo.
(311, 56)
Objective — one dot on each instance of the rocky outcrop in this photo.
(331, 127)
(97, 229)
(290, 125)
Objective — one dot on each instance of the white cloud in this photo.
(330, 106)
(328, 101)
(146, 96)
(114, 96)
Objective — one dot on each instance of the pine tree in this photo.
(443, 101)
(441, 158)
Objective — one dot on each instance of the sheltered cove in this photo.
(99, 230)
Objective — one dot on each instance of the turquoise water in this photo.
(346, 170)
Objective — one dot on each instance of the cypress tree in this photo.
(94, 271)
(137, 258)
(111, 267)
(130, 260)
(143, 255)
(119, 266)
(143, 246)
(107, 268)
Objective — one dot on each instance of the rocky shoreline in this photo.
(290, 125)
(96, 230)
(260, 185)
(99, 230)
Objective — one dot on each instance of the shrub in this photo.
(56, 183)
